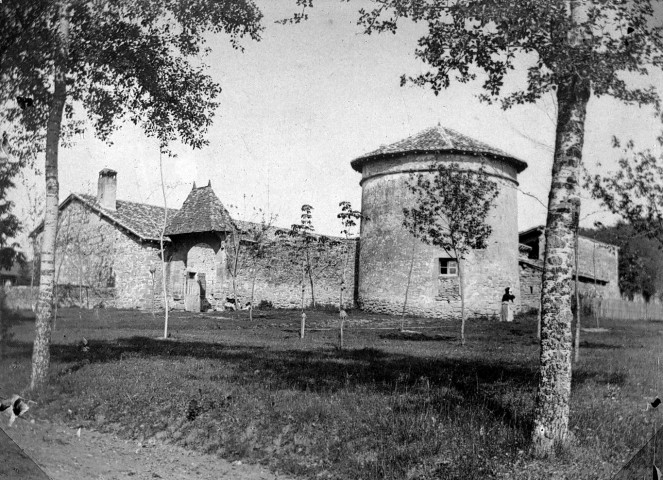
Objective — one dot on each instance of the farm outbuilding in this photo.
(386, 247)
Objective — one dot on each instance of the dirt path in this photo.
(96, 456)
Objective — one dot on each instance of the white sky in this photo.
(303, 102)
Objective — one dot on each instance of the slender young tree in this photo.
(573, 48)
(349, 219)
(116, 60)
(450, 210)
(162, 251)
(307, 249)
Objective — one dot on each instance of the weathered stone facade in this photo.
(386, 251)
(530, 284)
(94, 255)
(598, 271)
(111, 257)
(278, 275)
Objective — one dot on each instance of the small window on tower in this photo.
(448, 267)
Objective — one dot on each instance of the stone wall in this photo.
(386, 246)
(99, 257)
(601, 261)
(530, 285)
(278, 274)
(597, 261)
(531, 275)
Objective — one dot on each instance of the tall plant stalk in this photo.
(163, 256)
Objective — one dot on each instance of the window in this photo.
(448, 267)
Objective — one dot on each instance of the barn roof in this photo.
(437, 140)
(202, 211)
(140, 219)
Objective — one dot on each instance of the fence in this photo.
(641, 465)
(617, 309)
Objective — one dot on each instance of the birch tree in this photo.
(115, 60)
(572, 48)
(449, 211)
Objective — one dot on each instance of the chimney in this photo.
(107, 189)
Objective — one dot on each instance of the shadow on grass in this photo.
(598, 345)
(417, 337)
(473, 381)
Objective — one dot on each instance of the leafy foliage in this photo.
(639, 259)
(450, 210)
(472, 39)
(9, 224)
(127, 60)
(634, 191)
(451, 207)
(349, 218)
(306, 248)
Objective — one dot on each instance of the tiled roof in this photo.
(143, 220)
(202, 211)
(435, 140)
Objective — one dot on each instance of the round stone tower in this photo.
(386, 247)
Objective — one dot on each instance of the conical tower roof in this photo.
(202, 211)
(437, 140)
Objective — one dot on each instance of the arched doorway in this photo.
(200, 276)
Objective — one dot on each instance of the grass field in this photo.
(387, 406)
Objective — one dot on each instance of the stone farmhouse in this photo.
(109, 249)
(598, 267)
(109, 253)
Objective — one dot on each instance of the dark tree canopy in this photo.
(127, 59)
(483, 39)
(9, 224)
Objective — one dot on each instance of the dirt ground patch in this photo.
(62, 455)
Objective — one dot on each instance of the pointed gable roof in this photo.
(139, 219)
(437, 140)
(202, 211)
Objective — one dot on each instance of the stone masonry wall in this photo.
(386, 246)
(596, 260)
(277, 276)
(94, 255)
(530, 286)
(599, 260)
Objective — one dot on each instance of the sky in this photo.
(307, 99)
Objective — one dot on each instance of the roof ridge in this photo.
(94, 198)
(437, 139)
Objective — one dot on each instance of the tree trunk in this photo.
(576, 343)
(538, 323)
(236, 245)
(341, 312)
(3, 327)
(407, 285)
(310, 277)
(461, 280)
(163, 256)
(554, 390)
(253, 289)
(302, 330)
(41, 350)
